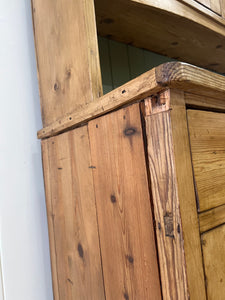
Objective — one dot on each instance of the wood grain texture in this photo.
(74, 241)
(212, 218)
(186, 194)
(213, 245)
(67, 56)
(123, 206)
(207, 137)
(169, 230)
(139, 23)
(204, 102)
(170, 75)
(222, 3)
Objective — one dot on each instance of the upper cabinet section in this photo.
(185, 30)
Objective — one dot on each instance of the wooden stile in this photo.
(73, 232)
(166, 205)
(123, 206)
(186, 194)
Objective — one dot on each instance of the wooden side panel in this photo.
(67, 56)
(74, 242)
(187, 199)
(207, 136)
(213, 251)
(166, 206)
(123, 206)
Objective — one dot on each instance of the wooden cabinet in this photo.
(141, 182)
(134, 179)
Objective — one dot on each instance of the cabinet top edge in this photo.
(174, 75)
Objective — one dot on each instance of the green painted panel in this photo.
(121, 63)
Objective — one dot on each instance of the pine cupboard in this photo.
(134, 179)
(141, 181)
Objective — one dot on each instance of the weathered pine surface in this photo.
(67, 56)
(123, 206)
(73, 232)
(212, 218)
(207, 137)
(186, 194)
(166, 206)
(213, 245)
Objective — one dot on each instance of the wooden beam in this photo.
(170, 75)
(67, 56)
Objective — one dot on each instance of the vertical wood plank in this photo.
(119, 63)
(74, 242)
(166, 206)
(123, 206)
(67, 56)
(187, 199)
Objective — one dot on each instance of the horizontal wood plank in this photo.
(67, 56)
(170, 75)
(212, 218)
(204, 102)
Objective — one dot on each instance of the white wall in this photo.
(23, 224)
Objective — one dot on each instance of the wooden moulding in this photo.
(176, 75)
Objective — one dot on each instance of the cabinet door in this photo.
(207, 139)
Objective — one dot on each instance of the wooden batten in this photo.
(67, 56)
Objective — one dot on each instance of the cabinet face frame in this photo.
(174, 199)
